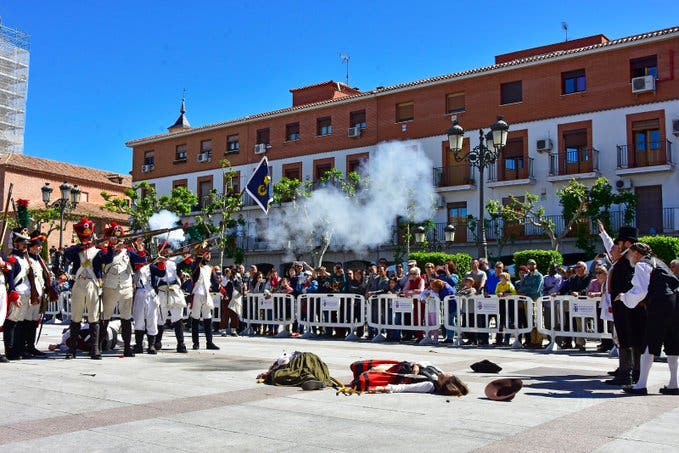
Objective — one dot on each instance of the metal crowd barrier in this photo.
(570, 317)
(511, 315)
(60, 306)
(338, 311)
(275, 310)
(389, 312)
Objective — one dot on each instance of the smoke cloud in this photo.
(400, 183)
(166, 219)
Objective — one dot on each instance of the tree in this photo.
(219, 215)
(141, 203)
(580, 205)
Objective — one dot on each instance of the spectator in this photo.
(448, 273)
(443, 289)
(272, 280)
(479, 277)
(674, 267)
(429, 274)
(338, 281)
(531, 286)
(576, 285)
(494, 278)
(552, 281)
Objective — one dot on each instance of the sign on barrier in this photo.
(332, 311)
(273, 310)
(389, 312)
(569, 317)
(511, 316)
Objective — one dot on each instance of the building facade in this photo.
(14, 63)
(579, 109)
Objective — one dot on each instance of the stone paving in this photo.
(209, 401)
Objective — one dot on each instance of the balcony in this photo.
(657, 158)
(511, 172)
(454, 177)
(581, 163)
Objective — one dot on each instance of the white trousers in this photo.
(172, 304)
(85, 294)
(117, 296)
(26, 312)
(201, 307)
(3, 302)
(145, 311)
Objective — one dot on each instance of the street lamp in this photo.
(70, 197)
(482, 156)
(420, 234)
(449, 234)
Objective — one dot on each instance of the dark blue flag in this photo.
(259, 185)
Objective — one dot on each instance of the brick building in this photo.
(29, 174)
(580, 109)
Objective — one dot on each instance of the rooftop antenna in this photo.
(345, 59)
(564, 26)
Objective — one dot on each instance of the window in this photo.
(263, 136)
(455, 103)
(646, 66)
(179, 183)
(354, 161)
(205, 151)
(357, 119)
(321, 167)
(324, 126)
(513, 158)
(511, 92)
(405, 111)
(457, 216)
(149, 158)
(648, 149)
(204, 188)
(232, 184)
(148, 192)
(232, 143)
(180, 153)
(573, 82)
(293, 171)
(292, 132)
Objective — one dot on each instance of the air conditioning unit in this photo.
(260, 148)
(203, 157)
(675, 127)
(181, 156)
(643, 84)
(146, 168)
(623, 184)
(355, 131)
(544, 145)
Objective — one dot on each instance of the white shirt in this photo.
(640, 281)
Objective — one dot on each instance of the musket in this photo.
(5, 215)
(140, 234)
(193, 245)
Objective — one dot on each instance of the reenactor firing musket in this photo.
(192, 247)
(130, 236)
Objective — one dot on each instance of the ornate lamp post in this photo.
(482, 156)
(70, 197)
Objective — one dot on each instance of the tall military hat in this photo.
(84, 229)
(20, 234)
(113, 230)
(37, 238)
(627, 233)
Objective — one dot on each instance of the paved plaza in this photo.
(209, 401)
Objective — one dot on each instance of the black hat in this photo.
(503, 389)
(37, 238)
(485, 366)
(20, 235)
(627, 233)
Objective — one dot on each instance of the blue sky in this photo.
(104, 72)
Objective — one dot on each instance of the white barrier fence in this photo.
(331, 311)
(510, 316)
(390, 314)
(571, 317)
(275, 310)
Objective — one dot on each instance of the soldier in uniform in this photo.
(41, 288)
(3, 299)
(118, 287)
(18, 295)
(654, 288)
(202, 305)
(145, 307)
(88, 262)
(172, 301)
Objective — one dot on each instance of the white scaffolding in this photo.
(14, 61)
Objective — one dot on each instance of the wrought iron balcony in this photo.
(453, 176)
(511, 170)
(573, 162)
(658, 153)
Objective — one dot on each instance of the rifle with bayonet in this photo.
(131, 236)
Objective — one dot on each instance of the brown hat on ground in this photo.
(485, 366)
(503, 389)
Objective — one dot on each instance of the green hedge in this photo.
(664, 247)
(463, 260)
(544, 258)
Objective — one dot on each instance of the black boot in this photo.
(95, 329)
(194, 333)
(159, 338)
(179, 334)
(8, 338)
(30, 332)
(207, 325)
(152, 345)
(104, 340)
(20, 340)
(139, 341)
(72, 342)
(126, 330)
